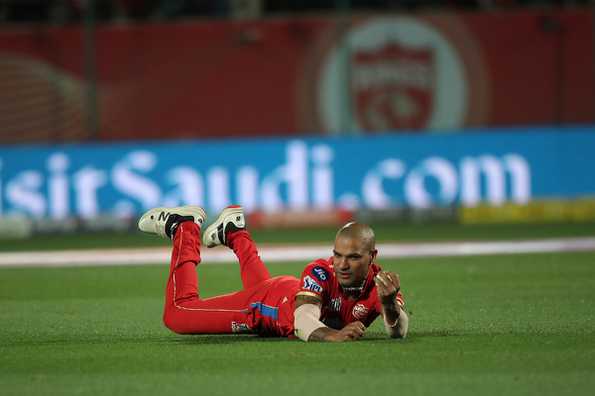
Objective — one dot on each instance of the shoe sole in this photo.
(230, 210)
(188, 210)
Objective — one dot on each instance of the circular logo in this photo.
(359, 311)
(398, 73)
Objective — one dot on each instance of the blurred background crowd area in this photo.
(75, 71)
(73, 11)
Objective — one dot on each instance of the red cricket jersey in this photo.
(318, 279)
(272, 306)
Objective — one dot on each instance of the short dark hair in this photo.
(360, 231)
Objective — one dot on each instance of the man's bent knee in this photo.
(173, 322)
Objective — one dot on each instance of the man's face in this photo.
(351, 260)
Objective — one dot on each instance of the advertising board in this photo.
(377, 172)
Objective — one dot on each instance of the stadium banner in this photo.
(372, 72)
(373, 172)
(536, 211)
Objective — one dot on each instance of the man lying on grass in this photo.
(336, 299)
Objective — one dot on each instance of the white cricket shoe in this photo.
(163, 221)
(230, 219)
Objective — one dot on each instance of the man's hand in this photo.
(396, 321)
(353, 331)
(388, 285)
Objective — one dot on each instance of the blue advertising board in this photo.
(380, 171)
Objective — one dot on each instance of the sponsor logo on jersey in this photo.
(320, 273)
(311, 284)
(335, 304)
(359, 311)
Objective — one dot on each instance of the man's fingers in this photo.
(356, 329)
(387, 283)
(355, 333)
(382, 279)
(389, 277)
(395, 280)
(357, 325)
(388, 280)
(382, 289)
(360, 328)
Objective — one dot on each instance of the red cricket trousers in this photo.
(264, 306)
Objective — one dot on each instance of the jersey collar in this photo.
(368, 282)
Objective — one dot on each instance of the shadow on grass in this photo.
(249, 338)
(111, 340)
(173, 339)
(223, 339)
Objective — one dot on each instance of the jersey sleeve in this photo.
(315, 281)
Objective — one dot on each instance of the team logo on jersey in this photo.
(237, 327)
(320, 273)
(359, 311)
(311, 284)
(335, 304)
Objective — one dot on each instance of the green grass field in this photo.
(490, 325)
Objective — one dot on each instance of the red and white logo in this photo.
(401, 72)
(393, 86)
(359, 311)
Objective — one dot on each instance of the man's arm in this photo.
(308, 326)
(396, 321)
